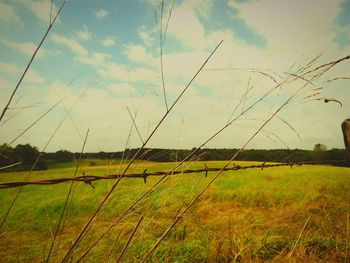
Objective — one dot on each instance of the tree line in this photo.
(26, 155)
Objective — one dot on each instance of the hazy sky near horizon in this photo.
(102, 57)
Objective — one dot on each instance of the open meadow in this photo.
(174, 131)
(254, 215)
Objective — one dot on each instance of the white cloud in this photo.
(5, 91)
(8, 68)
(145, 36)
(186, 27)
(84, 34)
(82, 54)
(101, 13)
(34, 77)
(108, 41)
(71, 43)
(58, 90)
(8, 14)
(209, 101)
(27, 48)
(122, 89)
(114, 71)
(6, 86)
(139, 54)
(144, 75)
(94, 58)
(41, 9)
(202, 7)
(344, 30)
(300, 27)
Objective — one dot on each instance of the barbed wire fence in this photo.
(90, 178)
(306, 74)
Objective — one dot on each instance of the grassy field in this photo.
(246, 216)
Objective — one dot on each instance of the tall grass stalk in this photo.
(31, 60)
(347, 237)
(299, 236)
(162, 179)
(136, 155)
(37, 161)
(174, 222)
(129, 240)
(66, 201)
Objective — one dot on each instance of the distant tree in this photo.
(319, 147)
(63, 156)
(320, 152)
(27, 155)
(336, 154)
(173, 156)
(6, 155)
(210, 155)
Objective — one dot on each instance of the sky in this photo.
(101, 62)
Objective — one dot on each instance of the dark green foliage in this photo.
(271, 248)
(61, 156)
(26, 154)
(23, 153)
(319, 147)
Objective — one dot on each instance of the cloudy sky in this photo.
(101, 58)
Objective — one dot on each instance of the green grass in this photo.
(248, 215)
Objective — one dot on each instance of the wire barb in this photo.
(88, 179)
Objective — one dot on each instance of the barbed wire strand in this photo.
(88, 179)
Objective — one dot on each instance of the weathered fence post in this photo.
(345, 126)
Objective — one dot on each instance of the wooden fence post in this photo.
(345, 126)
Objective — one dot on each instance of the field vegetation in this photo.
(284, 214)
(277, 214)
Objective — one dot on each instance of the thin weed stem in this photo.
(80, 236)
(36, 162)
(31, 60)
(165, 233)
(299, 236)
(129, 240)
(67, 199)
(133, 121)
(121, 216)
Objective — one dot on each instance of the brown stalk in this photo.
(172, 171)
(36, 162)
(113, 246)
(30, 61)
(347, 236)
(29, 173)
(290, 126)
(327, 66)
(165, 233)
(151, 189)
(10, 165)
(136, 155)
(35, 122)
(338, 78)
(267, 75)
(127, 141)
(246, 94)
(309, 64)
(129, 240)
(296, 241)
(67, 199)
(30, 106)
(161, 45)
(133, 121)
